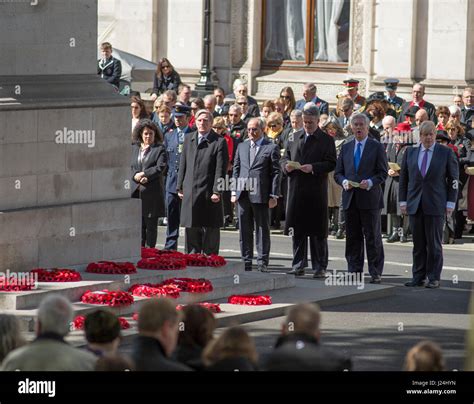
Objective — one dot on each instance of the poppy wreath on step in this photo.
(111, 268)
(113, 298)
(162, 262)
(190, 285)
(202, 260)
(79, 322)
(212, 307)
(147, 252)
(13, 284)
(249, 300)
(154, 290)
(57, 275)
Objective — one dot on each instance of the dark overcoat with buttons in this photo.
(151, 193)
(202, 171)
(174, 144)
(307, 203)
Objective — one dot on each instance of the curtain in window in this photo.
(327, 30)
(285, 30)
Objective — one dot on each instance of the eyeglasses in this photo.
(285, 97)
(242, 103)
(273, 125)
(165, 66)
(217, 127)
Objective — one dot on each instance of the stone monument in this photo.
(64, 142)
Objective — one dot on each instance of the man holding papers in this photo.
(361, 169)
(310, 155)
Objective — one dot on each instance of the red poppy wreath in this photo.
(114, 298)
(57, 275)
(79, 321)
(191, 285)
(250, 300)
(212, 307)
(111, 268)
(154, 290)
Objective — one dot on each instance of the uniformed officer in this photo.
(174, 141)
(391, 86)
(352, 87)
(109, 68)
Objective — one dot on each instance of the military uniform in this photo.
(110, 70)
(173, 141)
(395, 102)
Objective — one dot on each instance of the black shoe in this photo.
(248, 267)
(263, 268)
(403, 239)
(376, 279)
(413, 284)
(320, 274)
(393, 238)
(340, 234)
(297, 272)
(432, 285)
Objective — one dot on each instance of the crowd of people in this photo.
(178, 340)
(227, 161)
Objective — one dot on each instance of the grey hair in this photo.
(260, 121)
(427, 126)
(311, 109)
(204, 111)
(209, 97)
(454, 110)
(236, 107)
(297, 113)
(55, 315)
(237, 83)
(311, 87)
(359, 116)
(10, 336)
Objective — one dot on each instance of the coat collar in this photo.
(294, 338)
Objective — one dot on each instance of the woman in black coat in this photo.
(166, 78)
(148, 166)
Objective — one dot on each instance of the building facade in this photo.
(274, 43)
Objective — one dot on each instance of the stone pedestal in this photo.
(64, 142)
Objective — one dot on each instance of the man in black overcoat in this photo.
(201, 181)
(310, 155)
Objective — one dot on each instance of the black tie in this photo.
(253, 152)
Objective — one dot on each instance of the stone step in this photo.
(223, 287)
(74, 290)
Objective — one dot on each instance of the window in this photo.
(306, 33)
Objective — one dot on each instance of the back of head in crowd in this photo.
(102, 328)
(310, 109)
(303, 319)
(425, 356)
(199, 326)
(10, 335)
(233, 343)
(54, 315)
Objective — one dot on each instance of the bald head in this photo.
(421, 116)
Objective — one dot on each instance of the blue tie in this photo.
(357, 156)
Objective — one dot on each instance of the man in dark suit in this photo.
(299, 347)
(467, 110)
(361, 170)
(427, 192)
(109, 68)
(418, 93)
(257, 175)
(241, 89)
(201, 181)
(158, 323)
(310, 155)
(174, 141)
(309, 95)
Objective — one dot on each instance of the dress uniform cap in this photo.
(391, 84)
(181, 110)
(351, 83)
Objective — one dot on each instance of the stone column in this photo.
(64, 142)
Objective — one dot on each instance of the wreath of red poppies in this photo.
(113, 298)
(111, 268)
(13, 284)
(249, 300)
(79, 321)
(57, 275)
(212, 307)
(162, 263)
(154, 290)
(190, 285)
(202, 260)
